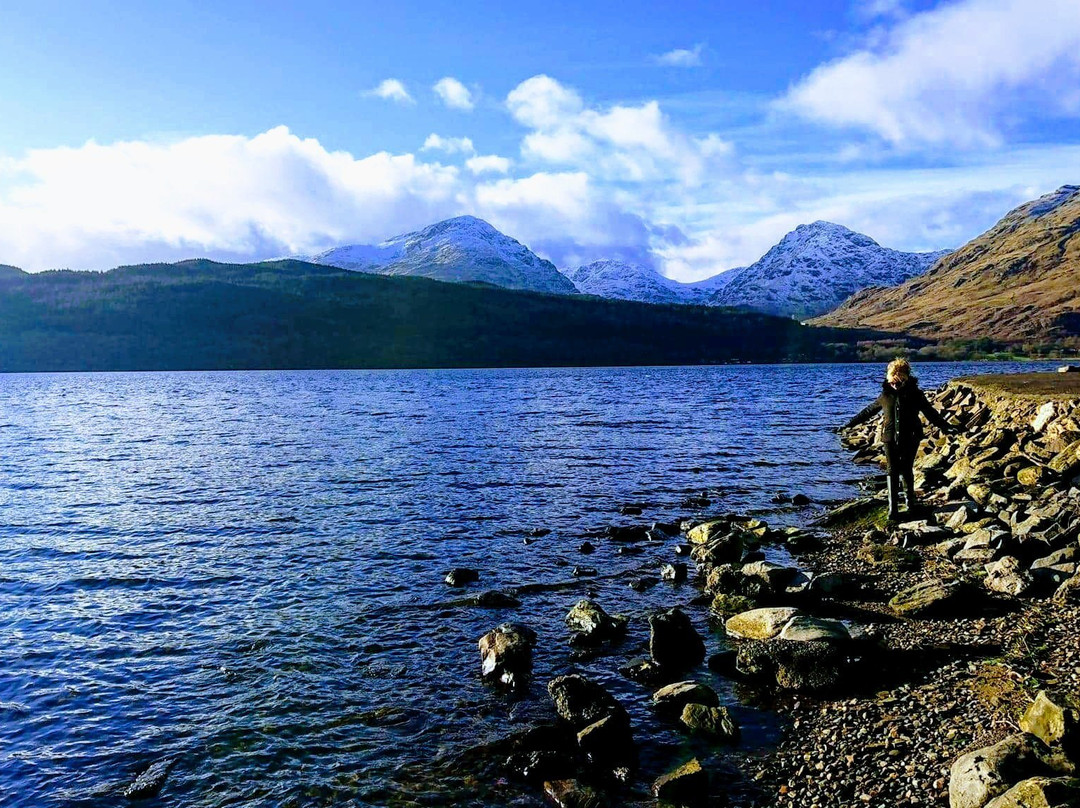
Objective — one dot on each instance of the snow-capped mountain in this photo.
(626, 281)
(816, 267)
(463, 249)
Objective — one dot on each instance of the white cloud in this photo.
(543, 103)
(488, 164)
(450, 145)
(392, 90)
(453, 93)
(682, 57)
(955, 75)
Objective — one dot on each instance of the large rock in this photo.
(1052, 722)
(506, 652)
(924, 599)
(1008, 577)
(1042, 417)
(1040, 792)
(581, 701)
(804, 628)
(760, 624)
(573, 794)
(1031, 476)
(722, 550)
(724, 605)
(774, 576)
(979, 776)
(1069, 591)
(461, 576)
(686, 785)
(704, 719)
(707, 531)
(679, 694)
(791, 665)
(607, 742)
(1067, 462)
(674, 643)
(588, 620)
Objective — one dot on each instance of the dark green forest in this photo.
(289, 314)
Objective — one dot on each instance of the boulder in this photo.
(644, 583)
(588, 620)
(150, 780)
(800, 500)
(723, 550)
(506, 652)
(674, 643)
(686, 785)
(979, 776)
(724, 578)
(926, 598)
(643, 670)
(716, 722)
(1042, 417)
(676, 572)
(573, 794)
(1053, 723)
(537, 765)
(1069, 591)
(1040, 792)
(775, 576)
(460, 576)
(680, 694)
(724, 605)
(965, 513)
(760, 624)
(627, 532)
(494, 599)
(607, 742)
(1067, 462)
(1031, 476)
(1008, 577)
(581, 702)
(803, 628)
(801, 666)
(980, 492)
(586, 548)
(707, 531)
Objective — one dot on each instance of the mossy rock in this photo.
(725, 605)
(887, 555)
(861, 514)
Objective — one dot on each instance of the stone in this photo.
(680, 694)
(961, 516)
(799, 666)
(583, 572)
(643, 670)
(831, 584)
(541, 764)
(150, 781)
(461, 576)
(1053, 723)
(1040, 792)
(506, 653)
(676, 572)
(580, 701)
(627, 532)
(722, 550)
(1031, 476)
(586, 547)
(1067, 462)
(1069, 591)
(687, 784)
(803, 628)
(716, 722)
(928, 597)
(725, 605)
(645, 582)
(723, 578)
(1042, 417)
(979, 776)
(630, 510)
(608, 741)
(775, 576)
(760, 624)
(980, 492)
(682, 549)
(573, 794)
(494, 599)
(1008, 577)
(591, 623)
(673, 641)
(707, 531)
(800, 500)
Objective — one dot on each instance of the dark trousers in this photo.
(900, 457)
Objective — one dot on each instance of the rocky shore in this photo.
(931, 661)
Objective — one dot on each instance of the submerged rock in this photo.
(607, 742)
(580, 701)
(688, 784)
(673, 641)
(573, 794)
(493, 599)
(460, 576)
(151, 780)
(506, 652)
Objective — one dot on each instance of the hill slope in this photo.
(814, 268)
(463, 249)
(288, 314)
(619, 280)
(1018, 281)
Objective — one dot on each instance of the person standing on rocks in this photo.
(901, 429)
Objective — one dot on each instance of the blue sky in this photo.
(687, 135)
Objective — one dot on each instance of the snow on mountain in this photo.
(626, 281)
(816, 267)
(464, 249)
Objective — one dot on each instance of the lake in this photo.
(244, 570)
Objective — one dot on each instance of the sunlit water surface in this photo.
(244, 570)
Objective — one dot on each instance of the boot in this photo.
(910, 495)
(894, 497)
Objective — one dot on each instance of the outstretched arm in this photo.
(864, 415)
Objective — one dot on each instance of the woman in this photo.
(900, 430)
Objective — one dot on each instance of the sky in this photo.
(686, 136)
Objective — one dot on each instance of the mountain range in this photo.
(1018, 281)
(812, 270)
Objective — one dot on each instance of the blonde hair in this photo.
(899, 369)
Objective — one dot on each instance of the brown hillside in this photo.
(1019, 281)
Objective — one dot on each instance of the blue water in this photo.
(243, 570)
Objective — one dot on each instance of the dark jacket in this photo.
(900, 410)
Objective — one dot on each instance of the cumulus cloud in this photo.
(488, 164)
(682, 57)
(453, 93)
(450, 145)
(955, 75)
(620, 143)
(392, 90)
